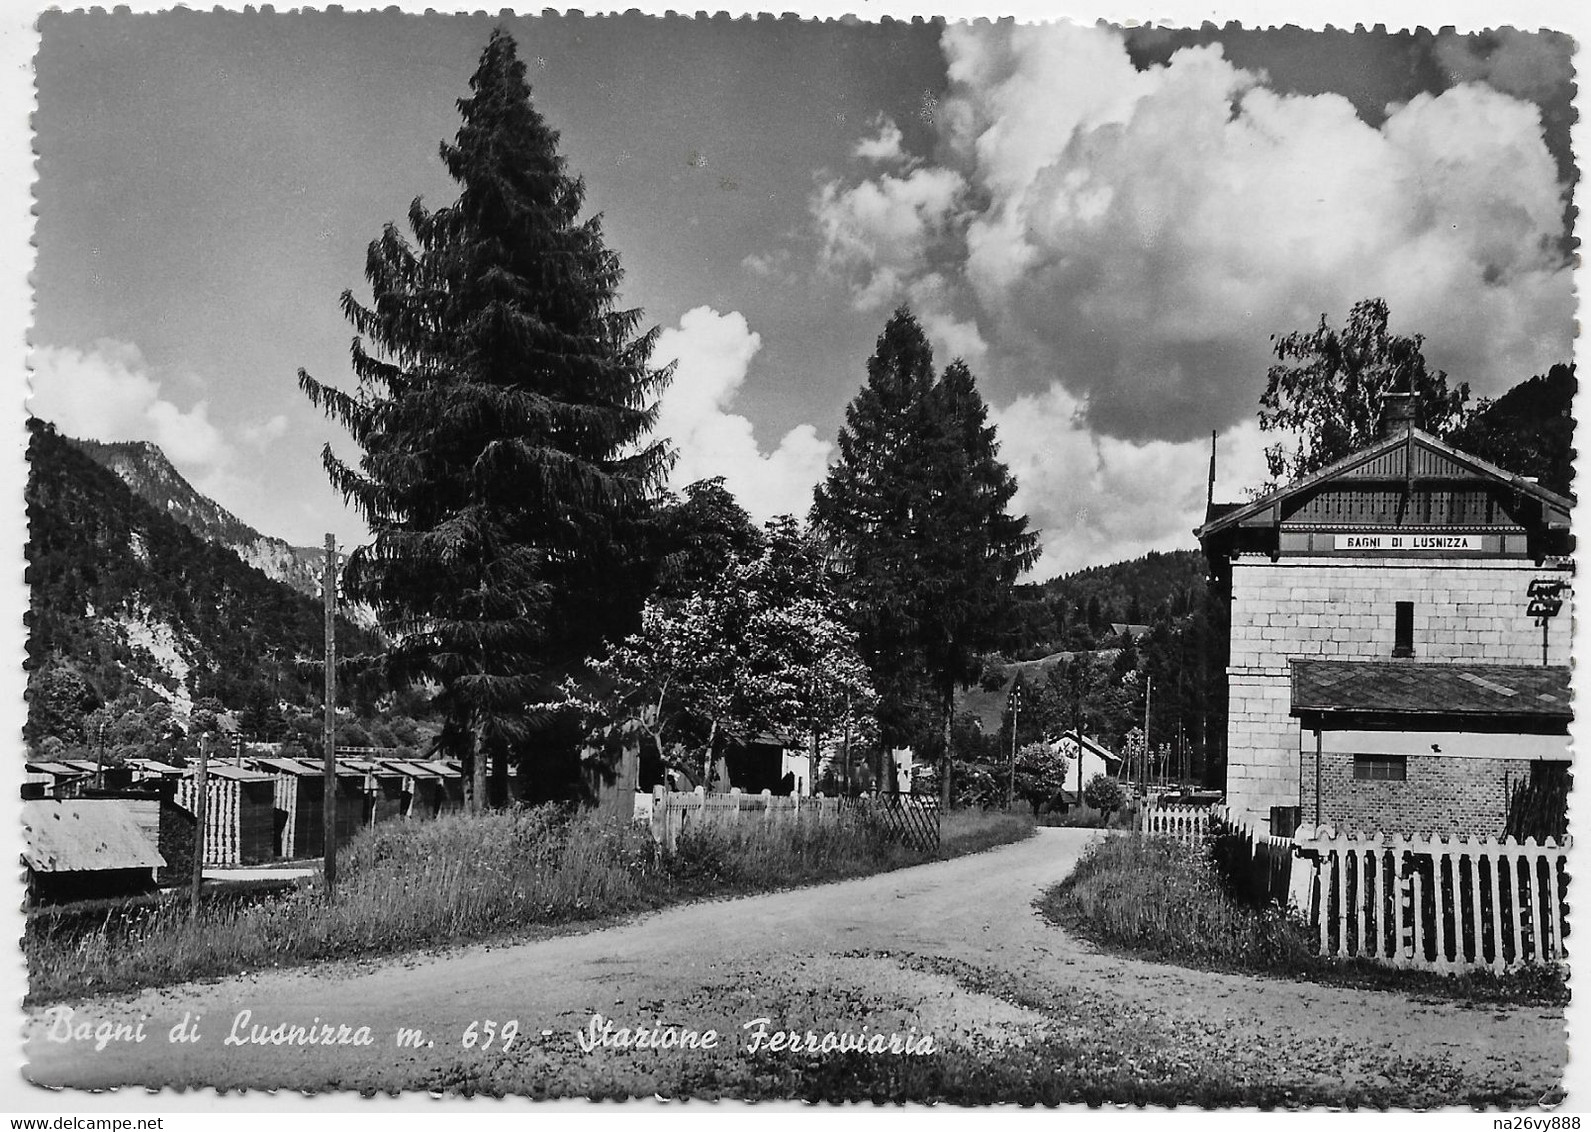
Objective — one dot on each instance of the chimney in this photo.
(1398, 414)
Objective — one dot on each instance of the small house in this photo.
(1095, 758)
(763, 762)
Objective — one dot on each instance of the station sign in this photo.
(1387, 541)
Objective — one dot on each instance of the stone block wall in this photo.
(1339, 608)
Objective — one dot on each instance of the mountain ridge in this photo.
(145, 468)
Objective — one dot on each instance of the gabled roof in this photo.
(1091, 746)
(1412, 688)
(1222, 516)
(84, 835)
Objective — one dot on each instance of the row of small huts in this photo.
(260, 809)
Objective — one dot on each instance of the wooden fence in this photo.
(1255, 867)
(910, 819)
(1432, 903)
(1187, 824)
(673, 812)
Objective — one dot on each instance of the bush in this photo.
(1104, 794)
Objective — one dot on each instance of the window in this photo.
(1403, 635)
(1381, 768)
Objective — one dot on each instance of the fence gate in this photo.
(910, 819)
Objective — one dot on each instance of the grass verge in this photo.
(1157, 899)
(406, 885)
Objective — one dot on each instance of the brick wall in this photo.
(1442, 795)
(1342, 608)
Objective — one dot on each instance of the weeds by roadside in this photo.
(1086, 817)
(407, 885)
(1156, 898)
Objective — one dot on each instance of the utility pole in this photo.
(1149, 688)
(201, 791)
(1016, 708)
(329, 736)
(845, 751)
(1077, 736)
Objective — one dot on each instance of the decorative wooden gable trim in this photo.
(1457, 489)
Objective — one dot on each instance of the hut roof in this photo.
(60, 770)
(154, 766)
(443, 769)
(235, 773)
(412, 769)
(84, 835)
(366, 766)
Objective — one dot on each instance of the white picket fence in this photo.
(1187, 824)
(1432, 903)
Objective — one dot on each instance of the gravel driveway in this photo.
(953, 952)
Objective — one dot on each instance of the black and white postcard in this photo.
(885, 556)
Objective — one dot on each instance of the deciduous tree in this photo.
(1325, 389)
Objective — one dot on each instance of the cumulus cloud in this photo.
(1529, 64)
(1096, 498)
(1119, 246)
(714, 353)
(261, 435)
(1139, 235)
(884, 229)
(883, 147)
(107, 393)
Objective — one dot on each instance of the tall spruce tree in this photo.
(870, 509)
(502, 413)
(916, 506)
(976, 550)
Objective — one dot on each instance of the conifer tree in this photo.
(502, 410)
(976, 551)
(869, 509)
(916, 506)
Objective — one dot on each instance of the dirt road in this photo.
(952, 951)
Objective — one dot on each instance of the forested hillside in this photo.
(1529, 430)
(127, 602)
(144, 468)
(1076, 611)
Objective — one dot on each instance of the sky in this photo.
(1108, 226)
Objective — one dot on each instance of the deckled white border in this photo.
(19, 42)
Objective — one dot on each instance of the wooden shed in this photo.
(147, 771)
(450, 779)
(57, 780)
(239, 818)
(168, 826)
(81, 848)
(298, 818)
(422, 788)
(383, 786)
